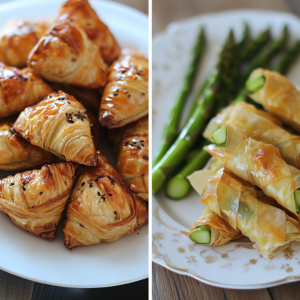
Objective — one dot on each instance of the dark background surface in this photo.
(15, 288)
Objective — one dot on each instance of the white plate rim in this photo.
(157, 220)
(143, 18)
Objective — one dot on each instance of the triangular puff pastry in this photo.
(125, 98)
(132, 163)
(81, 13)
(17, 38)
(66, 55)
(101, 208)
(34, 200)
(20, 89)
(17, 153)
(59, 124)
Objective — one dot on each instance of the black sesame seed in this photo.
(11, 184)
(81, 225)
(129, 96)
(123, 71)
(91, 185)
(126, 143)
(99, 194)
(109, 194)
(96, 179)
(31, 79)
(134, 142)
(23, 183)
(41, 193)
(138, 73)
(109, 177)
(143, 94)
(83, 184)
(142, 141)
(23, 188)
(100, 176)
(70, 121)
(143, 145)
(115, 94)
(115, 212)
(0, 83)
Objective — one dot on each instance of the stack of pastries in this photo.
(71, 68)
(251, 187)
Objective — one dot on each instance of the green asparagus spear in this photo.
(228, 78)
(178, 186)
(196, 123)
(201, 235)
(255, 84)
(263, 58)
(171, 129)
(267, 53)
(287, 58)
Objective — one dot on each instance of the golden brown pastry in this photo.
(132, 162)
(81, 13)
(220, 230)
(17, 153)
(17, 38)
(278, 96)
(125, 98)
(96, 130)
(101, 208)
(20, 89)
(59, 124)
(90, 98)
(66, 55)
(34, 200)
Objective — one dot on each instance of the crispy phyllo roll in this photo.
(81, 13)
(17, 38)
(59, 124)
(66, 55)
(132, 161)
(258, 163)
(276, 94)
(260, 126)
(267, 226)
(17, 153)
(212, 230)
(125, 98)
(101, 208)
(20, 89)
(34, 200)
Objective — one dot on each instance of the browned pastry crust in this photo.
(66, 55)
(101, 208)
(125, 98)
(17, 38)
(90, 98)
(81, 13)
(17, 153)
(59, 124)
(20, 89)
(34, 200)
(132, 162)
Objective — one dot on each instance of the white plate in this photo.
(225, 266)
(102, 265)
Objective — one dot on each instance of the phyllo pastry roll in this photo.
(17, 153)
(34, 200)
(212, 230)
(258, 163)
(125, 98)
(20, 89)
(17, 38)
(66, 55)
(81, 13)
(133, 156)
(101, 208)
(59, 124)
(276, 94)
(260, 126)
(267, 226)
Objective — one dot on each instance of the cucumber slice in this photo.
(255, 84)
(219, 137)
(297, 201)
(201, 235)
